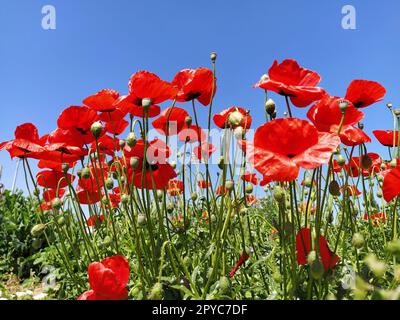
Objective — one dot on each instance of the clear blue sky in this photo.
(100, 43)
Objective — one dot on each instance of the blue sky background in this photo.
(100, 43)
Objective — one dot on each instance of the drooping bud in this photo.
(341, 160)
(279, 194)
(361, 125)
(157, 292)
(124, 198)
(131, 139)
(193, 196)
(38, 230)
(389, 105)
(221, 162)
(188, 121)
(109, 183)
(213, 56)
(122, 143)
(56, 203)
(141, 219)
(224, 284)
(249, 188)
(229, 185)
(393, 163)
(96, 129)
(134, 162)
(358, 240)
(397, 112)
(61, 221)
(85, 173)
(270, 106)
(307, 182)
(36, 192)
(170, 207)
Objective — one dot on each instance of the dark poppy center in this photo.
(290, 155)
(192, 95)
(153, 167)
(82, 131)
(358, 104)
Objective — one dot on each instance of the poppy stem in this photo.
(288, 106)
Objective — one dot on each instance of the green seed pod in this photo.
(134, 162)
(317, 269)
(38, 230)
(340, 160)
(131, 139)
(36, 192)
(229, 185)
(358, 240)
(56, 203)
(279, 194)
(124, 199)
(109, 183)
(270, 106)
(193, 196)
(85, 173)
(157, 292)
(96, 129)
(221, 163)
(224, 285)
(61, 221)
(141, 220)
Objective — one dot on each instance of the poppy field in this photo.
(151, 194)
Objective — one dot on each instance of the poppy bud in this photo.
(109, 183)
(107, 241)
(393, 163)
(279, 194)
(235, 118)
(96, 129)
(36, 192)
(229, 185)
(361, 125)
(105, 200)
(307, 182)
(379, 194)
(311, 257)
(224, 284)
(193, 196)
(383, 166)
(376, 266)
(397, 112)
(170, 207)
(173, 164)
(134, 162)
(334, 188)
(317, 269)
(213, 218)
(221, 162)
(56, 203)
(131, 139)
(243, 211)
(213, 56)
(65, 167)
(157, 292)
(358, 240)
(160, 194)
(146, 103)
(389, 105)
(366, 161)
(38, 230)
(61, 221)
(270, 106)
(341, 160)
(249, 188)
(124, 198)
(141, 220)
(122, 143)
(85, 174)
(122, 179)
(393, 247)
(239, 133)
(188, 121)
(306, 192)
(343, 104)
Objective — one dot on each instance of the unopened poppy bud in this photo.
(160, 194)
(213, 218)
(109, 183)
(65, 167)
(343, 104)
(397, 112)
(358, 240)
(306, 192)
(270, 106)
(249, 188)
(393, 163)
(229, 185)
(393, 247)
(36, 192)
(366, 161)
(312, 256)
(124, 198)
(361, 125)
(213, 56)
(317, 269)
(235, 118)
(188, 121)
(376, 266)
(389, 105)
(221, 162)
(61, 221)
(122, 143)
(193, 196)
(224, 284)
(106, 241)
(134, 162)
(56, 203)
(131, 139)
(341, 160)
(279, 194)
(96, 129)
(383, 166)
(379, 194)
(239, 133)
(307, 182)
(105, 200)
(146, 103)
(285, 114)
(141, 220)
(173, 164)
(38, 230)
(334, 188)
(170, 207)
(122, 179)
(85, 173)
(157, 292)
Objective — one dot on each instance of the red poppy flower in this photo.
(94, 220)
(156, 176)
(51, 194)
(175, 187)
(192, 135)
(391, 184)
(233, 117)
(251, 199)
(102, 101)
(336, 167)
(205, 151)
(388, 138)
(62, 153)
(203, 184)
(354, 167)
(26, 143)
(133, 105)
(282, 146)
(289, 79)
(79, 120)
(243, 258)
(171, 121)
(88, 195)
(144, 84)
(363, 93)
(352, 136)
(108, 279)
(114, 116)
(195, 84)
(52, 179)
(220, 191)
(376, 218)
(303, 248)
(250, 177)
(116, 127)
(107, 145)
(69, 137)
